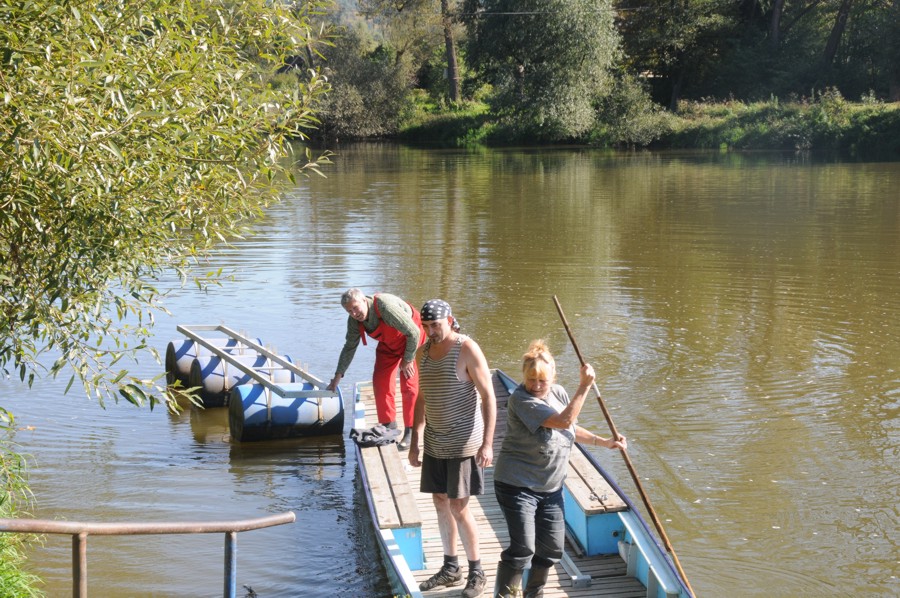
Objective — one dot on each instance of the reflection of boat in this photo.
(610, 549)
(208, 426)
(309, 458)
(269, 396)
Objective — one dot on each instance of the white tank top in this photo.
(454, 426)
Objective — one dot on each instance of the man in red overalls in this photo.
(397, 327)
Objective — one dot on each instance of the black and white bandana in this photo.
(435, 310)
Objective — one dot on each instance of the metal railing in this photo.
(81, 531)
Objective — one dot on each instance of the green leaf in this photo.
(113, 148)
(127, 392)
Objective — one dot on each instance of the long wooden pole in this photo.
(628, 464)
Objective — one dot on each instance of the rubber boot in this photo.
(509, 581)
(403, 444)
(537, 577)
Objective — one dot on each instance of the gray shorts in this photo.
(457, 478)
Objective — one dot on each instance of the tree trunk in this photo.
(677, 83)
(834, 39)
(775, 24)
(452, 68)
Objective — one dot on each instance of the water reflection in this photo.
(208, 426)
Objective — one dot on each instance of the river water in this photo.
(742, 312)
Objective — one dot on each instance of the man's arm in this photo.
(479, 372)
(351, 342)
(418, 427)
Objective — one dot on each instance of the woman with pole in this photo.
(531, 468)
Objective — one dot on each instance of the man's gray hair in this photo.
(352, 295)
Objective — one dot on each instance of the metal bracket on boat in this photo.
(574, 544)
(579, 579)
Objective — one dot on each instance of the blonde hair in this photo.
(538, 361)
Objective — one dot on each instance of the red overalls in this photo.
(388, 354)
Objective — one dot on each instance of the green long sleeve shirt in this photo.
(396, 313)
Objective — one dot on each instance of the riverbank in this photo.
(827, 122)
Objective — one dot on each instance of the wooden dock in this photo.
(608, 574)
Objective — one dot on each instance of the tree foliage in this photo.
(411, 28)
(757, 50)
(546, 59)
(370, 93)
(133, 136)
(677, 43)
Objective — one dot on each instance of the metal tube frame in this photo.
(80, 532)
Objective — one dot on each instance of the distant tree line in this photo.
(752, 49)
(554, 69)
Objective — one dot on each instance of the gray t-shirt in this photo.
(534, 456)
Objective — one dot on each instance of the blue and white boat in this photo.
(610, 549)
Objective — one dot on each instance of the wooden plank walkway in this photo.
(608, 573)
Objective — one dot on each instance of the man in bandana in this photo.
(455, 417)
(395, 324)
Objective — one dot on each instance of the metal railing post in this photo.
(79, 565)
(231, 565)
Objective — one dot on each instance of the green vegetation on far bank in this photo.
(826, 122)
(614, 73)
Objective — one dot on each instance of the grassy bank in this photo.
(826, 122)
(829, 123)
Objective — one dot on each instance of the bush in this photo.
(463, 125)
(14, 495)
(371, 90)
(627, 116)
